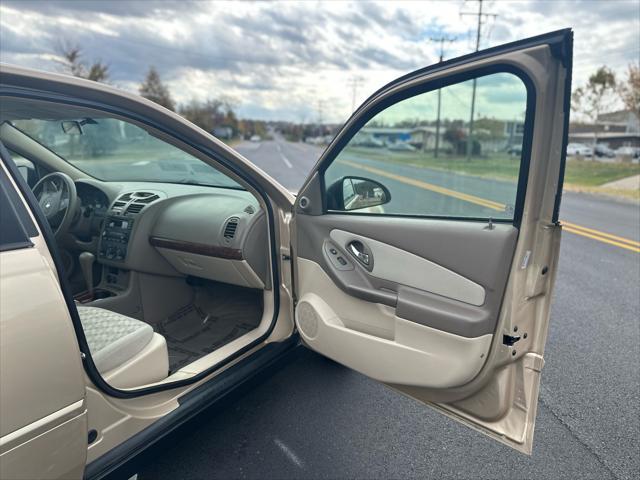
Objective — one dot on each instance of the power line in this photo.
(480, 16)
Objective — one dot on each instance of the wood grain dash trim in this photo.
(197, 248)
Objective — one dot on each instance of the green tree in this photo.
(629, 89)
(591, 98)
(207, 115)
(156, 91)
(73, 63)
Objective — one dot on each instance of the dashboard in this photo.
(214, 233)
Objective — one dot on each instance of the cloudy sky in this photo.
(291, 60)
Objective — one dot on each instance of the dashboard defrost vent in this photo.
(230, 228)
(135, 208)
(125, 198)
(146, 200)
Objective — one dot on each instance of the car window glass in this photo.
(111, 149)
(433, 160)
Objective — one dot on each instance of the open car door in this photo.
(426, 239)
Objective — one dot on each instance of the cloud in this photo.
(278, 60)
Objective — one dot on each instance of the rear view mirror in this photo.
(71, 127)
(354, 193)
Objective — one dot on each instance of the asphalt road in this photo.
(317, 419)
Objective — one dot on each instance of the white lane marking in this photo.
(289, 453)
(286, 160)
(283, 156)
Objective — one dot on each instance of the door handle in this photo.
(357, 250)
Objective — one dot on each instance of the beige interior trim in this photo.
(236, 272)
(396, 265)
(413, 354)
(150, 365)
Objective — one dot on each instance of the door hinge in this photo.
(509, 340)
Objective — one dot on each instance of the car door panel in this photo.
(372, 339)
(449, 308)
(430, 243)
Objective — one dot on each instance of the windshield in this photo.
(113, 150)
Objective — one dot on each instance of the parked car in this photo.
(627, 152)
(515, 150)
(579, 149)
(603, 151)
(135, 295)
(255, 138)
(400, 146)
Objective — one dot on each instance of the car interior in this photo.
(166, 256)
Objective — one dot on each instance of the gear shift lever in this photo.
(86, 264)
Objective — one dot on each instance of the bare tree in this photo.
(74, 64)
(153, 89)
(590, 98)
(629, 89)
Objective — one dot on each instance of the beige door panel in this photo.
(395, 350)
(402, 267)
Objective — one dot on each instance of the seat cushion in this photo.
(113, 338)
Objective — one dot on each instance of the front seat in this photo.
(127, 352)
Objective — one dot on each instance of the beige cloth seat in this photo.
(125, 350)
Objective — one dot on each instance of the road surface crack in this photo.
(595, 454)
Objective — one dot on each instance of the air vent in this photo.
(230, 228)
(118, 206)
(250, 210)
(135, 208)
(125, 198)
(146, 200)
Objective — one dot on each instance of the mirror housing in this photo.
(71, 127)
(355, 193)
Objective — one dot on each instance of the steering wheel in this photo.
(58, 199)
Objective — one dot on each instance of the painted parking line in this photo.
(591, 233)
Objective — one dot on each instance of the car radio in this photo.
(114, 239)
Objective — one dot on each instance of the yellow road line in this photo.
(430, 186)
(601, 239)
(604, 237)
(599, 233)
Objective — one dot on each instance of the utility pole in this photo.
(320, 108)
(480, 16)
(354, 83)
(441, 39)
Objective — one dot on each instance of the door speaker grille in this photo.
(307, 319)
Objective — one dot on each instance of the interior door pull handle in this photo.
(363, 257)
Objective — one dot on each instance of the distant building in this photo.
(614, 129)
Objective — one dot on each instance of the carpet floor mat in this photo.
(219, 314)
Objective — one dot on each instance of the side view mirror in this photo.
(354, 193)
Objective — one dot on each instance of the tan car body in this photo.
(47, 402)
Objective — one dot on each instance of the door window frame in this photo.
(364, 116)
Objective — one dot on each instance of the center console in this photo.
(114, 239)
